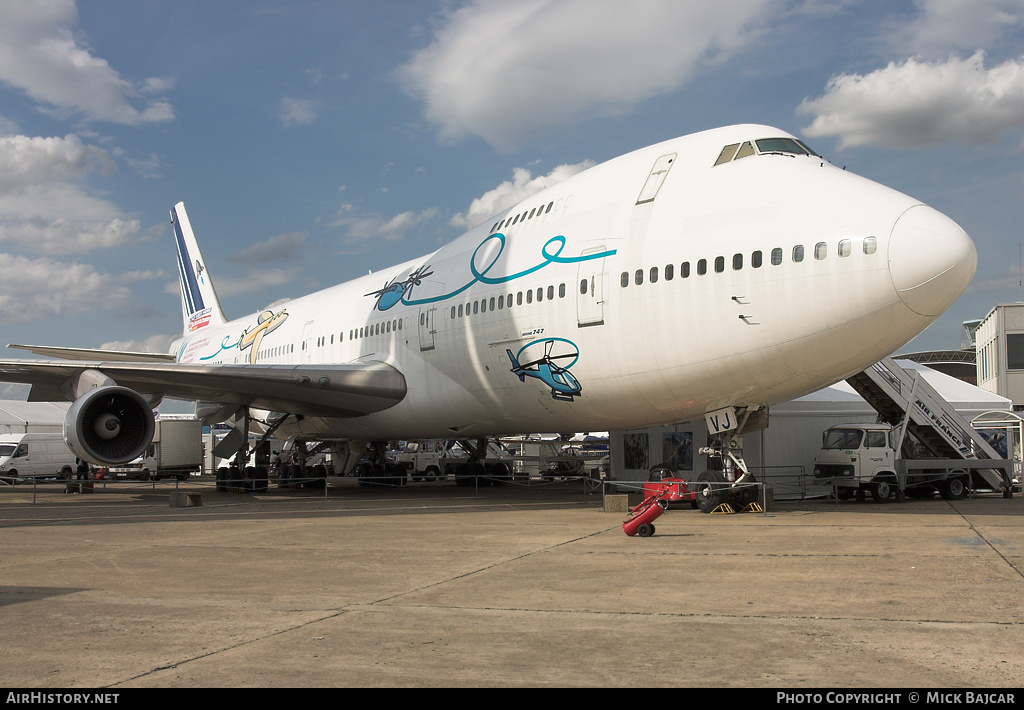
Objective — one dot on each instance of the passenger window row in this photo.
(820, 252)
(383, 327)
(473, 308)
(528, 214)
(276, 351)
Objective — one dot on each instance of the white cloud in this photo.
(944, 26)
(33, 160)
(917, 103)
(152, 344)
(46, 288)
(504, 70)
(43, 209)
(363, 229)
(40, 55)
(511, 192)
(298, 112)
(58, 218)
(279, 247)
(228, 286)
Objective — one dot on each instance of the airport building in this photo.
(1000, 352)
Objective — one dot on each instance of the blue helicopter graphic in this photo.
(564, 387)
(394, 291)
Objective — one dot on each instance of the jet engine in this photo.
(109, 425)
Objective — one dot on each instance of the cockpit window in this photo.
(779, 145)
(727, 154)
(764, 146)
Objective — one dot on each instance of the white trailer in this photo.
(176, 451)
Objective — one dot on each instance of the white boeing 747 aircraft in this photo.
(719, 272)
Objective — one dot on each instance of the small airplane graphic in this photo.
(394, 291)
(564, 386)
(267, 322)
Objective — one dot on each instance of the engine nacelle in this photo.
(109, 425)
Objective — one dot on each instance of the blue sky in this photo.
(314, 141)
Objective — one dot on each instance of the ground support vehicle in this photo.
(862, 459)
(175, 452)
(42, 455)
(672, 489)
(422, 459)
(920, 426)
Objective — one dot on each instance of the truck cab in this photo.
(861, 457)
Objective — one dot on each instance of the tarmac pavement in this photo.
(436, 585)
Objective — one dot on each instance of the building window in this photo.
(1015, 351)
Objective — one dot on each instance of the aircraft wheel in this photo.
(710, 490)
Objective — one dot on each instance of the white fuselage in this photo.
(649, 289)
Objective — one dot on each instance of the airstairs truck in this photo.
(922, 445)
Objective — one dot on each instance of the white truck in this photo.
(175, 452)
(43, 455)
(422, 459)
(863, 457)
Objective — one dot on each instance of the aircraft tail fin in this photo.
(199, 304)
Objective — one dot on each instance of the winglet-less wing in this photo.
(347, 390)
(94, 355)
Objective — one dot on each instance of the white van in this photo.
(35, 456)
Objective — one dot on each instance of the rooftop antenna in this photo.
(1020, 275)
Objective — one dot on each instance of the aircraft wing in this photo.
(87, 354)
(346, 390)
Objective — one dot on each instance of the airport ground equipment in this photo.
(663, 482)
(926, 444)
(35, 455)
(175, 452)
(642, 517)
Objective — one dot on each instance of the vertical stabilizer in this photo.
(199, 305)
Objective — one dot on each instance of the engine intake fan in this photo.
(109, 425)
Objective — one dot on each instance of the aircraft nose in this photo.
(931, 260)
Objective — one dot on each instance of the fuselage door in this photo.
(590, 289)
(427, 330)
(307, 342)
(657, 177)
